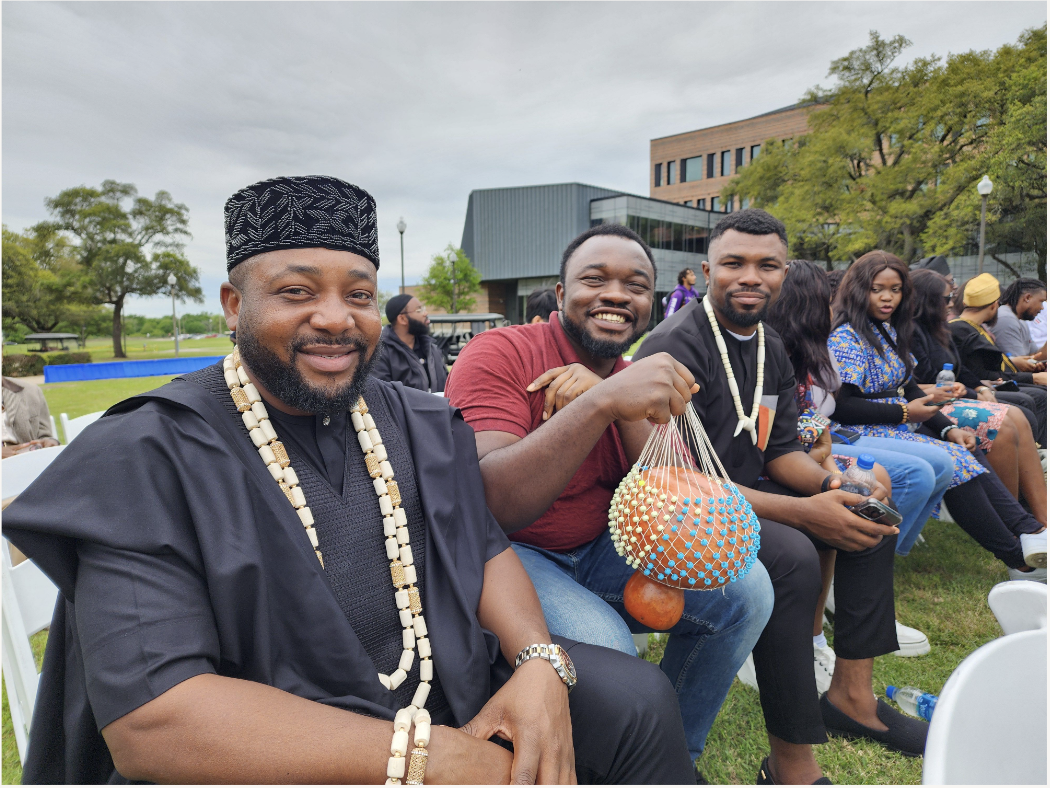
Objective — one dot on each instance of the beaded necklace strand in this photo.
(744, 422)
(395, 531)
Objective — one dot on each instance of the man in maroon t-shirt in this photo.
(559, 418)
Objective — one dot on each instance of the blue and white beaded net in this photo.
(668, 532)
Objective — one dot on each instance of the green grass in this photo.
(941, 589)
(78, 398)
(142, 348)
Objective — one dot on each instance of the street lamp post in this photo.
(401, 227)
(452, 259)
(984, 188)
(174, 323)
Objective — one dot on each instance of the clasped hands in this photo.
(10, 450)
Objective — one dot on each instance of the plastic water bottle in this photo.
(946, 377)
(913, 700)
(859, 477)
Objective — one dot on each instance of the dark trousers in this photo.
(864, 621)
(626, 724)
(1032, 401)
(993, 518)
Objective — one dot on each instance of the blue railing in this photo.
(62, 373)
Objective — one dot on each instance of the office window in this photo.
(657, 170)
(711, 165)
(744, 203)
(727, 163)
(714, 203)
(681, 170)
(671, 180)
(702, 204)
(688, 203)
(755, 150)
(739, 158)
(729, 205)
(693, 169)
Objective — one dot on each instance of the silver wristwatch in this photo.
(555, 655)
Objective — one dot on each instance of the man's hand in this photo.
(456, 757)
(655, 388)
(532, 711)
(962, 438)
(986, 394)
(1039, 377)
(919, 410)
(564, 384)
(10, 450)
(1024, 363)
(828, 519)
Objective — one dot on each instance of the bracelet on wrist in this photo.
(904, 417)
(946, 430)
(826, 484)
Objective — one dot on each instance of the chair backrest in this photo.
(989, 727)
(20, 471)
(54, 429)
(73, 427)
(1019, 605)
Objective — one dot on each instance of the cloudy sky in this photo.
(417, 102)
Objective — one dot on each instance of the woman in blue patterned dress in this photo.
(870, 342)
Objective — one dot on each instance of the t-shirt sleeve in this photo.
(473, 490)
(487, 383)
(783, 438)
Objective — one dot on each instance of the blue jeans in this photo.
(920, 474)
(582, 596)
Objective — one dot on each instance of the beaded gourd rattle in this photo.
(680, 522)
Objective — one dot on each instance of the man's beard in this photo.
(599, 348)
(992, 320)
(287, 384)
(418, 328)
(743, 319)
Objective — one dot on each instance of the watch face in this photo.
(563, 655)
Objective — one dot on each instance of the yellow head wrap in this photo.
(981, 291)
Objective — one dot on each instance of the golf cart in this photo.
(452, 332)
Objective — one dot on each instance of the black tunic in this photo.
(176, 554)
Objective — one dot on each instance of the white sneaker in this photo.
(1034, 547)
(823, 667)
(912, 642)
(1036, 575)
(746, 674)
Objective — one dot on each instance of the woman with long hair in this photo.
(871, 343)
(1002, 430)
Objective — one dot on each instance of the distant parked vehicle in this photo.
(452, 332)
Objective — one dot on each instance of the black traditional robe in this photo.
(219, 576)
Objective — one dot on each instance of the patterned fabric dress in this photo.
(981, 419)
(860, 364)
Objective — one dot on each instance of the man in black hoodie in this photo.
(409, 354)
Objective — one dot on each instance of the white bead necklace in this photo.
(744, 422)
(395, 530)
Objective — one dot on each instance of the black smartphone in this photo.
(1007, 385)
(943, 402)
(877, 512)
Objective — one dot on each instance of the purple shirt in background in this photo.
(679, 297)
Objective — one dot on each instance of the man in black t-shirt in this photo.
(798, 504)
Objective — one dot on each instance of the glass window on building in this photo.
(702, 204)
(711, 165)
(714, 203)
(694, 169)
(671, 180)
(755, 150)
(744, 203)
(657, 171)
(688, 203)
(739, 158)
(695, 240)
(729, 205)
(727, 163)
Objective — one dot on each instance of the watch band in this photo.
(555, 655)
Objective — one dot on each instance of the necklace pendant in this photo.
(747, 425)
(327, 420)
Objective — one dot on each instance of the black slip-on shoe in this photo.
(699, 775)
(765, 776)
(906, 735)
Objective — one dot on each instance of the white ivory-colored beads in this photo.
(306, 516)
(277, 473)
(405, 553)
(380, 451)
(258, 438)
(402, 535)
(423, 647)
(356, 420)
(391, 548)
(289, 477)
(229, 363)
(410, 575)
(268, 456)
(396, 678)
(312, 534)
(365, 441)
(232, 381)
(386, 469)
(406, 660)
(400, 518)
(419, 626)
(380, 486)
(384, 680)
(242, 376)
(401, 598)
(268, 430)
(298, 498)
(395, 767)
(389, 529)
(374, 435)
(405, 616)
(386, 506)
(421, 693)
(402, 717)
(408, 637)
(399, 744)
(426, 669)
(260, 411)
(421, 715)
(252, 392)
(368, 421)
(422, 734)
(249, 419)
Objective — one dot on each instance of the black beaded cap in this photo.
(300, 212)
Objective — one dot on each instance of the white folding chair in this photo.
(989, 727)
(1019, 605)
(28, 602)
(54, 429)
(73, 427)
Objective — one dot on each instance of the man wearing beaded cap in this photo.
(264, 564)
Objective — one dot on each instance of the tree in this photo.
(450, 282)
(44, 284)
(894, 153)
(127, 250)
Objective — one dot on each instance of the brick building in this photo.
(693, 167)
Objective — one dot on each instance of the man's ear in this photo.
(231, 300)
(706, 268)
(559, 294)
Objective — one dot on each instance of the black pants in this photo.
(1031, 399)
(993, 518)
(864, 621)
(626, 725)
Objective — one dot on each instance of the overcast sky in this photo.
(419, 103)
